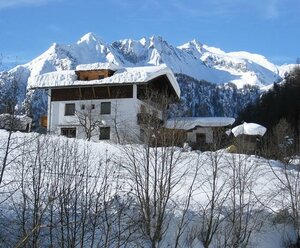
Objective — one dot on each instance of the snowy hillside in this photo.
(57, 190)
(200, 98)
(244, 67)
(283, 69)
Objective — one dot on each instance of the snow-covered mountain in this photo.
(193, 59)
(244, 67)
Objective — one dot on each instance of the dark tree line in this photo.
(282, 102)
(201, 98)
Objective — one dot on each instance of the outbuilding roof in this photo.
(249, 129)
(187, 123)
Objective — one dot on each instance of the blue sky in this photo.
(267, 27)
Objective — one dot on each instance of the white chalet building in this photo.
(102, 101)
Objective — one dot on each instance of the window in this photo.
(105, 108)
(68, 132)
(70, 109)
(201, 138)
(92, 106)
(82, 107)
(101, 77)
(104, 133)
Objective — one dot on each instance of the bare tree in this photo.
(122, 130)
(10, 90)
(244, 213)
(280, 142)
(9, 102)
(88, 120)
(183, 222)
(214, 184)
(154, 170)
(67, 196)
(288, 184)
(287, 174)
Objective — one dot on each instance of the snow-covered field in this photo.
(65, 192)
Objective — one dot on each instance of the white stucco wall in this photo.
(121, 120)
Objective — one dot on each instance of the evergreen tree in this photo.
(281, 102)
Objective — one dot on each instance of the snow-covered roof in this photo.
(22, 118)
(249, 129)
(52, 79)
(125, 75)
(188, 123)
(97, 66)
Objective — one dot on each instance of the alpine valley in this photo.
(213, 82)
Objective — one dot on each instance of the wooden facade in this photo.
(92, 92)
(161, 85)
(82, 92)
(93, 74)
(44, 121)
(249, 144)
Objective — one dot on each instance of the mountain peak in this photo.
(159, 43)
(90, 38)
(158, 39)
(196, 42)
(143, 41)
(53, 47)
(194, 47)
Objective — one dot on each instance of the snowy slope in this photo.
(156, 51)
(284, 69)
(100, 172)
(244, 67)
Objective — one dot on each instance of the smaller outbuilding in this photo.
(247, 137)
(202, 133)
(15, 122)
